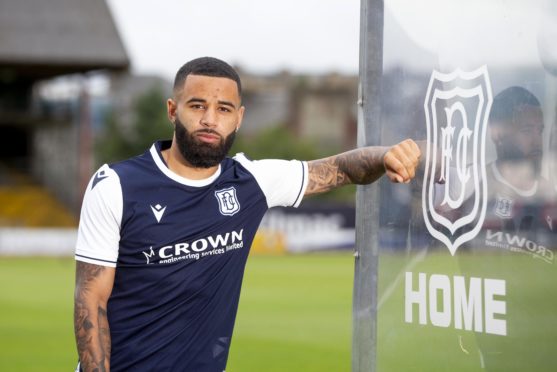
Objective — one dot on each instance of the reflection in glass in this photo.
(493, 304)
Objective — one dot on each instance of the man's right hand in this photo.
(401, 161)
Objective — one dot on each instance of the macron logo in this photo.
(101, 175)
(158, 211)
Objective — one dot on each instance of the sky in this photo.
(311, 36)
(466, 34)
(320, 36)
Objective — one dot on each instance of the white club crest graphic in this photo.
(228, 202)
(456, 108)
(504, 207)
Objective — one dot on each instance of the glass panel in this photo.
(467, 271)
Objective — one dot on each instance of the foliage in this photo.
(279, 143)
(275, 143)
(148, 123)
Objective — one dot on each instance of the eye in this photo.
(224, 109)
(197, 106)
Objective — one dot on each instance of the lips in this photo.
(208, 137)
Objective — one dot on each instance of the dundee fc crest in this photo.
(454, 194)
(228, 202)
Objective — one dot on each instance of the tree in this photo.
(275, 143)
(279, 143)
(149, 123)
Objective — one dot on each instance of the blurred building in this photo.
(126, 88)
(53, 56)
(320, 107)
(45, 134)
(45, 142)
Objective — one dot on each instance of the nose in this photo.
(537, 138)
(209, 118)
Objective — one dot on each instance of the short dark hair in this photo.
(206, 66)
(508, 102)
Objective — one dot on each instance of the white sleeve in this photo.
(283, 182)
(101, 215)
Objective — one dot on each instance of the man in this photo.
(517, 239)
(520, 201)
(519, 197)
(164, 237)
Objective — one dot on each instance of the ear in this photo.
(240, 117)
(495, 132)
(171, 107)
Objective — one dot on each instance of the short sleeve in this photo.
(283, 182)
(101, 215)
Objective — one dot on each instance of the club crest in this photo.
(504, 207)
(454, 193)
(228, 201)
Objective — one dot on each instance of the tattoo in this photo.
(91, 328)
(360, 166)
(104, 330)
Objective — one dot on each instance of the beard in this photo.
(200, 154)
(510, 153)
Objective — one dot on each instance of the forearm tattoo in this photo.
(360, 166)
(91, 327)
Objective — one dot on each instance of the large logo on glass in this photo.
(454, 193)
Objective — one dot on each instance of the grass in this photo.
(294, 315)
(36, 327)
(531, 317)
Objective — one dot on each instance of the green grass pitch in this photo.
(531, 317)
(294, 315)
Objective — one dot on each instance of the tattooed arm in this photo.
(363, 166)
(93, 285)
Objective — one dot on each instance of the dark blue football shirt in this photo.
(179, 247)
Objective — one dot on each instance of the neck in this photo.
(519, 174)
(177, 164)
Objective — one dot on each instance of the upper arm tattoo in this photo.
(91, 327)
(361, 166)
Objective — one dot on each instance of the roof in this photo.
(50, 37)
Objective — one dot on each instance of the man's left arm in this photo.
(363, 166)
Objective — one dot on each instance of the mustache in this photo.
(208, 131)
(202, 130)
